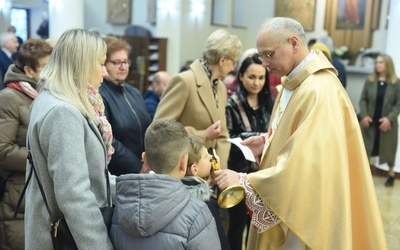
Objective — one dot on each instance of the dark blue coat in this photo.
(341, 71)
(129, 119)
(5, 62)
(151, 100)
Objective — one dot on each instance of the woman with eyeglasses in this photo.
(125, 110)
(197, 97)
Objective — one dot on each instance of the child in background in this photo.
(156, 211)
(198, 170)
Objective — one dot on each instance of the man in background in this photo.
(153, 95)
(9, 46)
(20, 41)
(339, 66)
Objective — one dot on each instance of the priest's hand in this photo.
(225, 178)
(256, 144)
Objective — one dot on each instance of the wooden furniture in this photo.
(353, 37)
(148, 55)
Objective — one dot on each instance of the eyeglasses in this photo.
(234, 62)
(267, 55)
(118, 64)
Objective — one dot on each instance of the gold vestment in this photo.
(315, 175)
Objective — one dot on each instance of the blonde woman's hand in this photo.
(385, 124)
(366, 122)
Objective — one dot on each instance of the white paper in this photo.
(248, 154)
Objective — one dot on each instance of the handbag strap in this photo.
(242, 113)
(108, 189)
(26, 185)
(21, 197)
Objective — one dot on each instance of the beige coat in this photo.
(14, 120)
(188, 99)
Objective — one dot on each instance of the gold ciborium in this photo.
(231, 195)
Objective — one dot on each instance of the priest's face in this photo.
(276, 54)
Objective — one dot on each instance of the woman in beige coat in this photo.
(379, 108)
(197, 97)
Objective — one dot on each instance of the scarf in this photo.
(103, 124)
(214, 83)
(24, 87)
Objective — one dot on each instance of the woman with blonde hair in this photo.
(197, 97)
(70, 142)
(379, 108)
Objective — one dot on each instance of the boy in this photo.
(156, 211)
(198, 170)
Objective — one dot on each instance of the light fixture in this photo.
(197, 7)
(3, 4)
(169, 6)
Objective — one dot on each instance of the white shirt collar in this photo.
(8, 53)
(303, 63)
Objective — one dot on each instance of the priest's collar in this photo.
(301, 65)
(297, 69)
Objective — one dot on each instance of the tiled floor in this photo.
(389, 204)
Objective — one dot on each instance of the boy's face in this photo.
(204, 164)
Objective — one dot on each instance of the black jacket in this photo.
(129, 119)
(258, 119)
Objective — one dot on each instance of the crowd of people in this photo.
(89, 131)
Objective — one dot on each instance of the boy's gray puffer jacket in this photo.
(155, 211)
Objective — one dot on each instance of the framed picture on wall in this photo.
(119, 11)
(350, 14)
(152, 11)
(239, 14)
(302, 11)
(219, 12)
